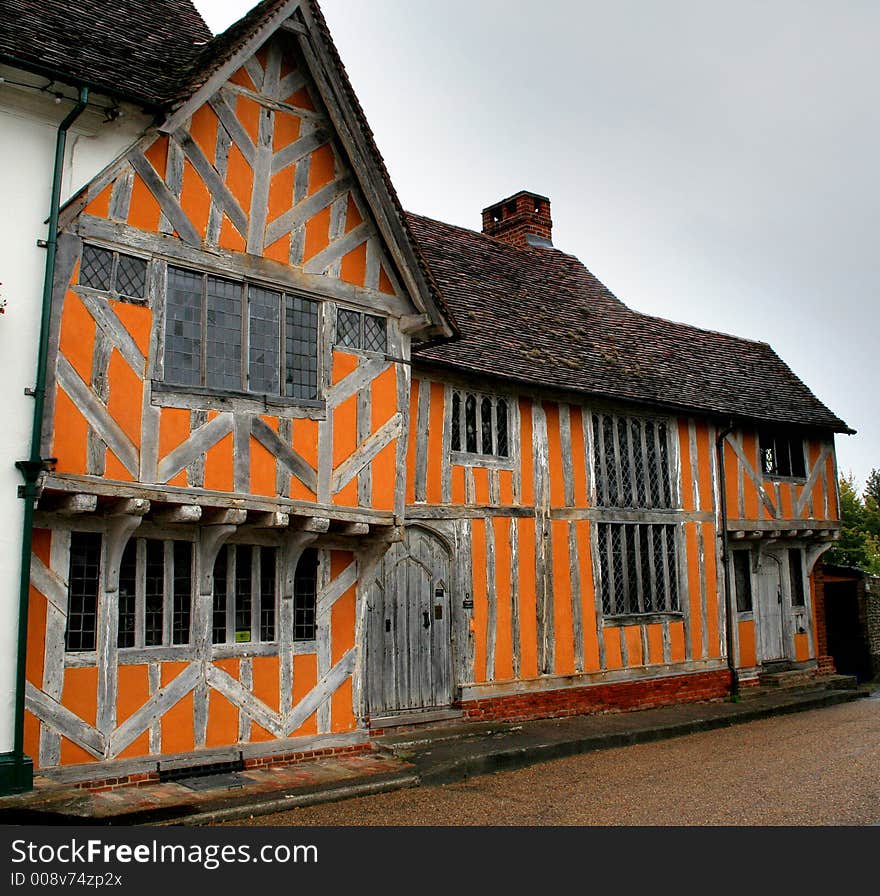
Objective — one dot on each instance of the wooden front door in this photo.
(770, 607)
(408, 627)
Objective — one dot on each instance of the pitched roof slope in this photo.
(539, 316)
(126, 48)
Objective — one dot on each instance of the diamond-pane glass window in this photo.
(131, 276)
(83, 582)
(375, 333)
(486, 426)
(631, 462)
(348, 328)
(479, 424)
(501, 427)
(470, 423)
(113, 272)
(638, 568)
(264, 368)
(96, 267)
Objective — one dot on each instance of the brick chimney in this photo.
(522, 220)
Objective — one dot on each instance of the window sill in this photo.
(167, 395)
(794, 480)
(642, 619)
(490, 461)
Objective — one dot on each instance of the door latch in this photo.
(427, 618)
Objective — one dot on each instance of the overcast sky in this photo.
(710, 162)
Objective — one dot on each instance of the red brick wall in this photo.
(617, 697)
(824, 661)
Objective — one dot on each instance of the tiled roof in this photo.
(538, 316)
(130, 49)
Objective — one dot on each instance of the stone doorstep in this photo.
(798, 682)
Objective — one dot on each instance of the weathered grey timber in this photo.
(173, 179)
(120, 195)
(543, 542)
(491, 600)
(258, 269)
(96, 450)
(577, 623)
(65, 722)
(422, 435)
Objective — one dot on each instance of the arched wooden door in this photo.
(408, 627)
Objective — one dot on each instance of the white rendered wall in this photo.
(28, 127)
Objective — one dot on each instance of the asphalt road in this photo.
(814, 768)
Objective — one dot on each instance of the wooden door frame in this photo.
(451, 587)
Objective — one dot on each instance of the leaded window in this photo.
(782, 454)
(631, 462)
(83, 579)
(361, 332)
(480, 424)
(796, 577)
(742, 580)
(245, 594)
(305, 592)
(231, 336)
(638, 568)
(156, 582)
(113, 272)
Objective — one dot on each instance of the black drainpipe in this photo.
(21, 777)
(725, 558)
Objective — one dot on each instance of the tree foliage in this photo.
(859, 543)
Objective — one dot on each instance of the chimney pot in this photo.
(523, 220)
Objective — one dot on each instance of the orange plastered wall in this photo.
(563, 631)
(504, 625)
(747, 654)
(527, 599)
(554, 455)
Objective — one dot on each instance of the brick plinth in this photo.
(617, 697)
(278, 760)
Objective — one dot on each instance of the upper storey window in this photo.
(631, 462)
(232, 336)
(782, 454)
(361, 332)
(480, 424)
(112, 272)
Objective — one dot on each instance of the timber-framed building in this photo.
(322, 467)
